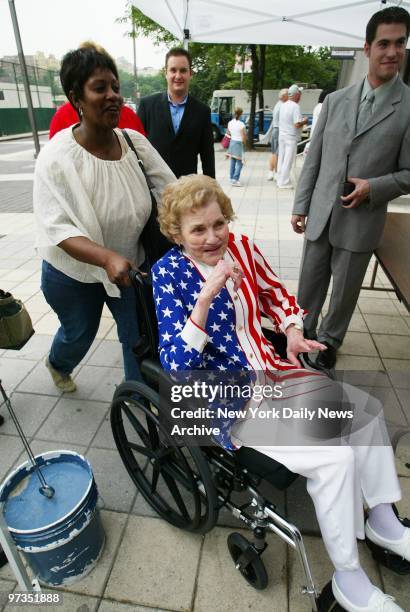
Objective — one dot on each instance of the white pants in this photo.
(286, 159)
(339, 477)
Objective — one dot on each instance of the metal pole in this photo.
(25, 77)
(134, 50)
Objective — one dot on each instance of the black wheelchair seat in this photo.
(265, 467)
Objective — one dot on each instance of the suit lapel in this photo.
(352, 102)
(167, 114)
(386, 110)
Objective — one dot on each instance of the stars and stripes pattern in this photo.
(233, 337)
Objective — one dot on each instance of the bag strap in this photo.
(141, 163)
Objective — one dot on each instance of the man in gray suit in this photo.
(362, 136)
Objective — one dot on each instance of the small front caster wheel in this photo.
(247, 561)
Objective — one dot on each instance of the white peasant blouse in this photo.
(78, 194)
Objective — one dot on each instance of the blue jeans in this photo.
(79, 307)
(235, 170)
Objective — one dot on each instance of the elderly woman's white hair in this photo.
(283, 92)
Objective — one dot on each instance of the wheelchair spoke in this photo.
(170, 482)
(147, 452)
(153, 433)
(137, 426)
(155, 475)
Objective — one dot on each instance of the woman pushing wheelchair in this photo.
(210, 290)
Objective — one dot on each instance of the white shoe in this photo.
(378, 602)
(287, 186)
(271, 176)
(399, 547)
(237, 184)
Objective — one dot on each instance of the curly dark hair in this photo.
(391, 14)
(77, 66)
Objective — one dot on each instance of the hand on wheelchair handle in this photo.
(117, 268)
(137, 276)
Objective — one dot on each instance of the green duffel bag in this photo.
(15, 323)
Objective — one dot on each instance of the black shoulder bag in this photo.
(154, 242)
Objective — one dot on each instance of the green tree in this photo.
(273, 67)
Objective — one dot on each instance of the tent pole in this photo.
(24, 74)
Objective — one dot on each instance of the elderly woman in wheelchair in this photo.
(209, 291)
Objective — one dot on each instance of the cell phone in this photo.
(348, 187)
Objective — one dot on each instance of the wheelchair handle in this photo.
(136, 277)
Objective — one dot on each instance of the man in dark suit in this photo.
(176, 124)
(362, 131)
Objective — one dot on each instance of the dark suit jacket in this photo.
(180, 151)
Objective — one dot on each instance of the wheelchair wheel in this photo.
(176, 481)
(247, 561)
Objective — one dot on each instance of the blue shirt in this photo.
(177, 112)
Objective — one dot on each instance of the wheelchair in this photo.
(188, 485)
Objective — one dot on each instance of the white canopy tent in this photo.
(272, 22)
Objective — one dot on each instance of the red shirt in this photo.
(66, 116)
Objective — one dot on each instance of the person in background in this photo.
(178, 125)
(91, 203)
(66, 115)
(290, 123)
(237, 132)
(273, 160)
(358, 161)
(315, 116)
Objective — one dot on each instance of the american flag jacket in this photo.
(233, 337)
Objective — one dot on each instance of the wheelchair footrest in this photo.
(389, 559)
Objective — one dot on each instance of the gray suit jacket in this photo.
(380, 152)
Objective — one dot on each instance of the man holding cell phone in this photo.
(359, 160)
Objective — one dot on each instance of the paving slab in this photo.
(115, 487)
(97, 383)
(6, 587)
(69, 603)
(94, 584)
(393, 347)
(220, 586)
(73, 421)
(14, 371)
(393, 412)
(114, 606)
(104, 437)
(156, 565)
(31, 410)
(383, 324)
(357, 343)
(10, 450)
(356, 362)
(108, 353)
(38, 380)
(381, 307)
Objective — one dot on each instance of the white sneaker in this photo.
(287, 186)
(237, 184)
(399, 547)
(378, 602)
(271, 176)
